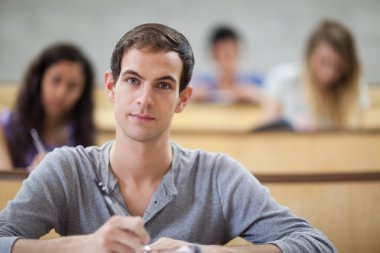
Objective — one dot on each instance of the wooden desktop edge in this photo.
(264, 177)
(372, 131)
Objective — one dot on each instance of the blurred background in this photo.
(273, 31)
(332, 178)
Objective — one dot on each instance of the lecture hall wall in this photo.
(274, 31)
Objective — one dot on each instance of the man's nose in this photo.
(145, 97)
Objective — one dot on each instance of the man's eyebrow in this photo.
(167, 77)
(131, 72)
(134, 73)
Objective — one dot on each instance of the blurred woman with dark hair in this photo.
(327, 91)
(55, 100)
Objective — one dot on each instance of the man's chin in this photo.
(143, 138)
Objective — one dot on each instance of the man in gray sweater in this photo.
(141, 192)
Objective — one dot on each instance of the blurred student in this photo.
(327, 90)
(55, 99)
(228, 85)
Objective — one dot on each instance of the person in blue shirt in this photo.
(228, 84)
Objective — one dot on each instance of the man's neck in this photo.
(139, 163)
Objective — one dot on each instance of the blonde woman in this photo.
(327, 91)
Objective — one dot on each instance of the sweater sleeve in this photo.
(40, 205)
(254, 215)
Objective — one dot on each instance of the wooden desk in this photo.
(206, 117)
(347, 212)
(372, 118)
(289, 152)
(374, 95)
(10, 183)
(217, 118)
(221, 118)
(199, 118)
(344, 206)
(294, 152)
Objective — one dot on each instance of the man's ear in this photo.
(109, 86)
(184, 99)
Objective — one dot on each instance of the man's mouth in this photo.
(142, 116)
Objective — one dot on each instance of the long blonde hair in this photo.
(339, 105)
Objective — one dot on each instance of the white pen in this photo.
(37, 141)
(116, 209)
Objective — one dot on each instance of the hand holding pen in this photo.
(116, 209)
(139, 237)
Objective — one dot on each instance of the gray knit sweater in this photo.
(205, 198)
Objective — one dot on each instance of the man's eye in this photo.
(164, 86)
(132, 81)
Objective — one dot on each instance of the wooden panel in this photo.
(223, 118)
(197, 117)
(104, 136)
(374, 95)
(348, 213)
(215, 118)
(287, 152)
(293, 152)
(8, 190)
(8, 94)
(372, 118)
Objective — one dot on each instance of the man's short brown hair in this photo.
(155, 37)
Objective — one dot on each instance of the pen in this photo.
(37, 141)
(115, 208)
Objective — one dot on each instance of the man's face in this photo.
(146, 95)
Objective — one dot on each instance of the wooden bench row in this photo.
(289, 152)
(199, 117)
(344, 206)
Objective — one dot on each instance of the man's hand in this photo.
(167, 245)
(118, 235)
